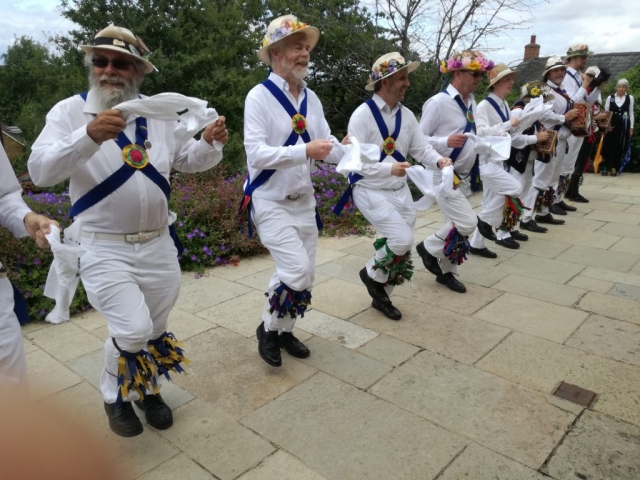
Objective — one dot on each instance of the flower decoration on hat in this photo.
(287, 27)
(467, 60)
(387, 68)
(579, 50)
(535, 90)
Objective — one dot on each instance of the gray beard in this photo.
(107, 98)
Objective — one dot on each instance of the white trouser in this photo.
(456, 210)
(392, 214)
(545, 176)
(13, 364)
(288, 229)
(497, 185)
(569, 162)
(134, 286)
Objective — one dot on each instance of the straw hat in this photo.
(533, 90)
(471, 60)
(553, 62)
(121, 40)
(387, 65)
(498, 72)
(579, 50)
(282, 27)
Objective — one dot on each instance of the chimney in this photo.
(532, 50)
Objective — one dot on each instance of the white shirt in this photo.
(13, 209)
(572, 83)
(556, 117)
(488, 117)
(443, 117)
(64, 150)
(410, 141)
(619, 102)
(267, 125)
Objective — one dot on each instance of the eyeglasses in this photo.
(118, 63)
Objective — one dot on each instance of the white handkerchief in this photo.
(532, 112)
(496, 148)
(356, 155)
(191, 113)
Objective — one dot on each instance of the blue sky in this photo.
(605, 27)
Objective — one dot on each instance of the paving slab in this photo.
(538, 247)
(242, 314)
(340, 299)
(227, 372)
(85, 406)
(180, 466)
(542, 365)
(562, 233)
(631, 278)
(348, 273)
(494, 412)
(533, 316)
(260, 280)
(65, 341)
(389, 350)
(360, 436)
(34, 325)
(479, 463)
(244, 267)
(340, 243)
(610, 338)
(627, 199)
(347, 365)
(29, 346)
(614, 217)
(215, 441)
(450, 334)
(89, 320)
(635, 209)
(583, 221)
(604, 206)
(334, 329)
(596, 257)
(590, 284)
(423, 288)
(597, 447)
(90, 366)
(185, 325)
(488, 263)
(627, 245)
(324, 255)
(363, 249)
(545, 269)
(625, 291)
(540, 290)
(611, 306)
(281, 466)
(477, 274)
(47, 376)
(209, 290)
(620, 230)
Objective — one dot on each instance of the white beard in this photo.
(108, 98)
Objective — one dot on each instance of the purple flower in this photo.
(190, 236)
(202, 235)
(196, 276)
(36, 261)
(223, 247)
(193, 258)
(43, 312)
(180, 224)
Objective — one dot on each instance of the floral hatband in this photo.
(299, 123)
(135, 156)
(287, 27)
(466, 60)
(387, 68)
(535, 90)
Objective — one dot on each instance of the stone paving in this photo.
(460, 388)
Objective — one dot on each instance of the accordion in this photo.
(548, 147)
(581, 125)
(605, 123)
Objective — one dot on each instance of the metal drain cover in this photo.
(575, 394)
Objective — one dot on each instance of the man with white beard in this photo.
(284, 132)
(119, 169)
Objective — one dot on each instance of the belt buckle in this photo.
(294, 196)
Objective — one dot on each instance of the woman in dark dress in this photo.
(616, 142)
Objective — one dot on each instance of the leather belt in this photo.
(140, 237)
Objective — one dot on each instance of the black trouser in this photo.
(581, 163)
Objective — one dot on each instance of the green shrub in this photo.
(208, 226)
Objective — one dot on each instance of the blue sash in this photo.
(124, 173)
(498, 109)
(574, 78)
(265, 175)
(474, 174)
(384, 132)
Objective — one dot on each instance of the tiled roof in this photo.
(617, 63)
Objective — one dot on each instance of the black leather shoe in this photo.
(450, 281)
(548, 218)
(388, 309)
(578, 198)
(532, 226)
(483, 252)
(521, 237)
(565, 207)
(376, 289)
(486, 230)
(268, 346)
(508, 243)
(605, 173)
(556, 209)
(157, 413)
(123, 420)
(292, 345)
(430, 262)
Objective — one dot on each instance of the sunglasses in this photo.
(118, 63)
(477, 74)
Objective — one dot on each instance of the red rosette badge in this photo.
(389, 146)
(299, 123)
(470, 117)
(135, 156)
